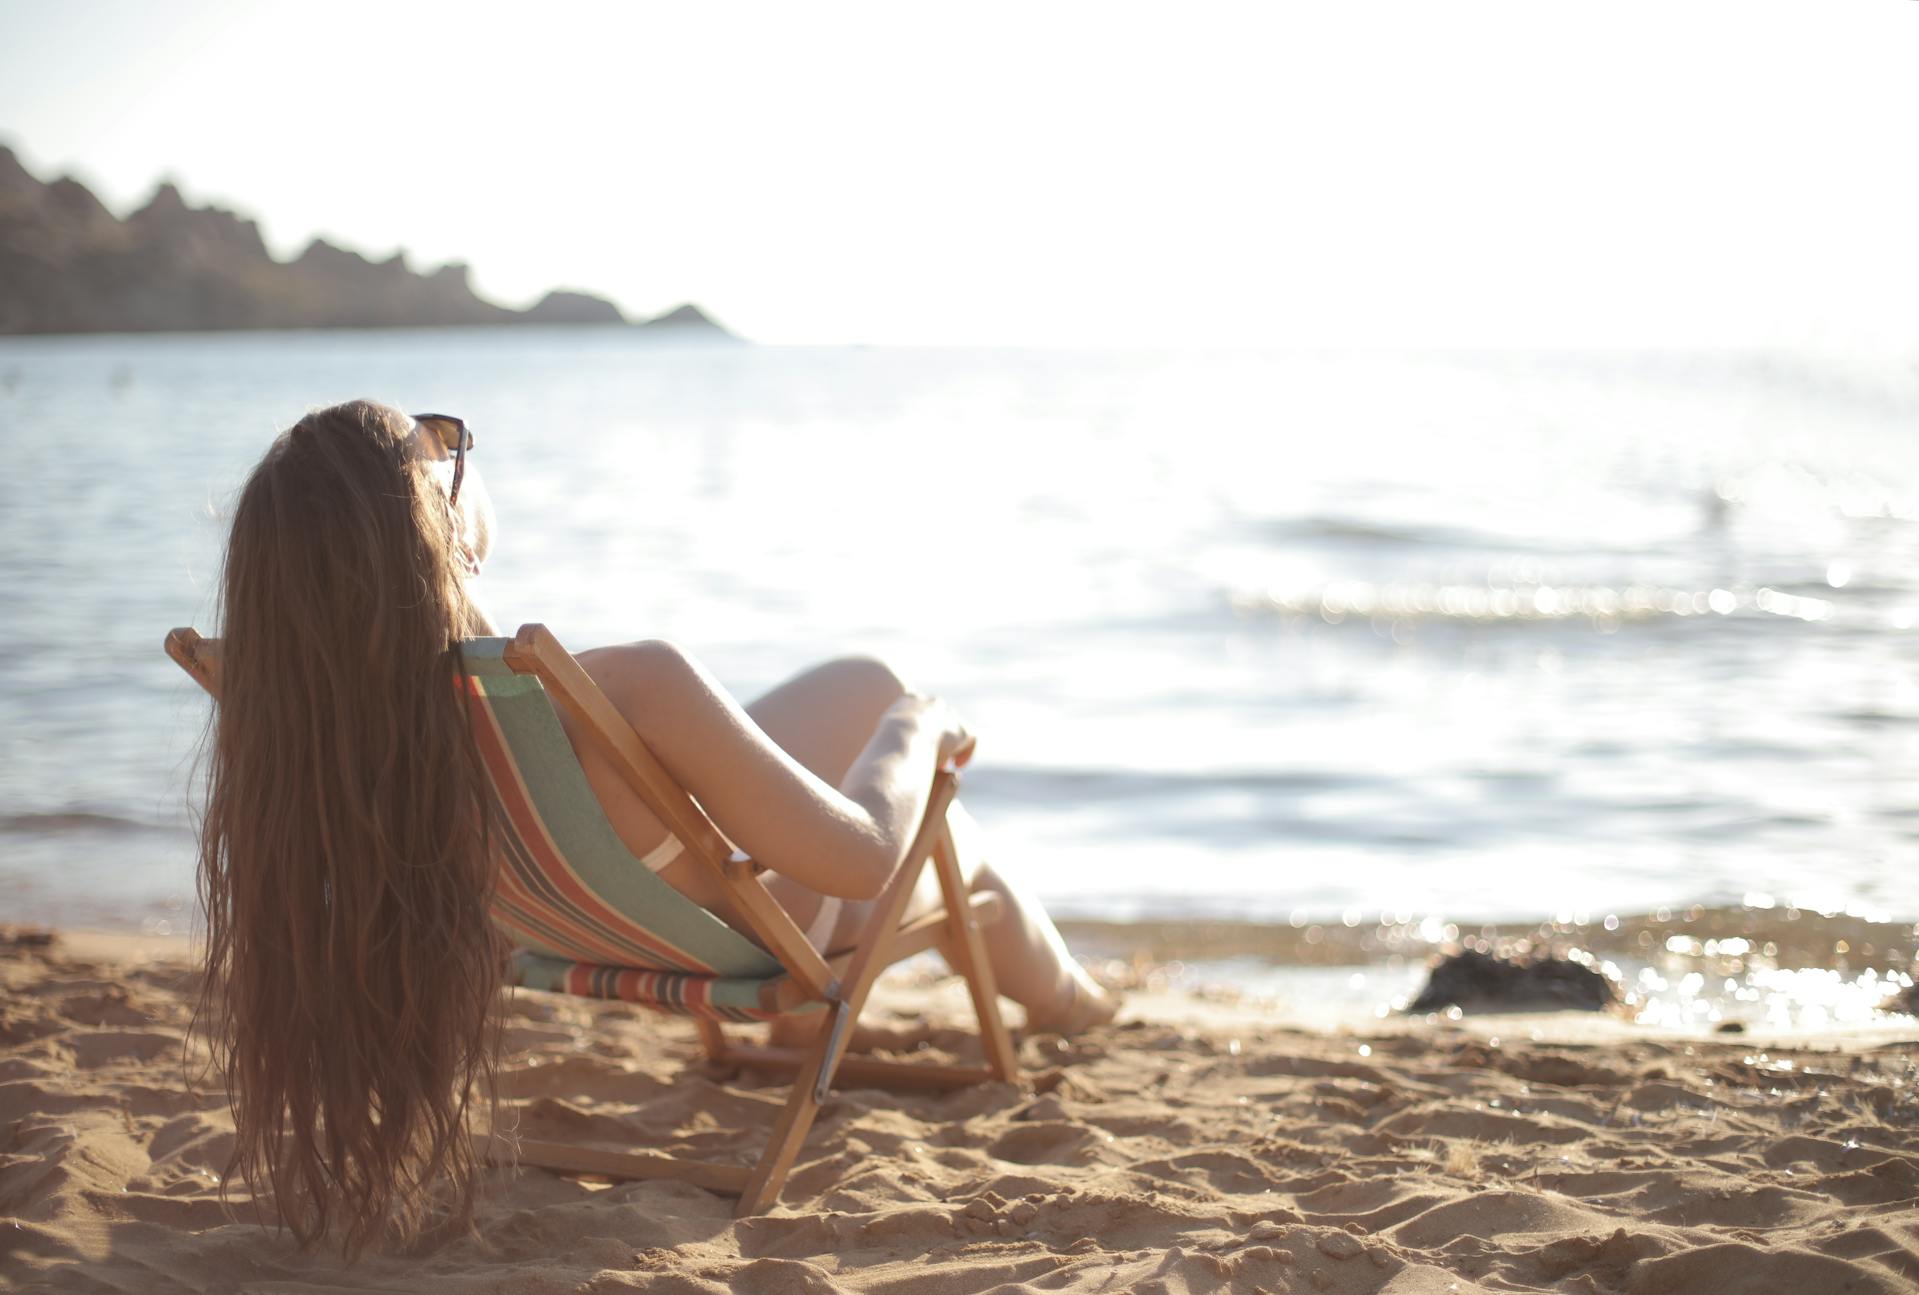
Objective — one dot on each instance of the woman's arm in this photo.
(844, 841)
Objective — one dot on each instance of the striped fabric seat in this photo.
(589, 917)
(718, 998)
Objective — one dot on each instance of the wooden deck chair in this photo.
(592, 919)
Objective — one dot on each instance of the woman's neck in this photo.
(476, 603)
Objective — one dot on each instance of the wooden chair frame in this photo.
(841, 983)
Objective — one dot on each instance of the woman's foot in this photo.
(1088, 1003)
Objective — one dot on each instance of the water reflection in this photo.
(1241, 633)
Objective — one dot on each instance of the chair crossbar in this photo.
(917, 936)
(875, 1071)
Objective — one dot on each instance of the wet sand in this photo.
(1195, 1146)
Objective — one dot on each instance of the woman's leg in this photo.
(824, 718)
(1029, 956)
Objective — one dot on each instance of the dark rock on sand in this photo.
(1481, 982)
(27, 937)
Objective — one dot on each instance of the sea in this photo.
(1300, 637)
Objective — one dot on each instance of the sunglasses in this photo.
(454, 435)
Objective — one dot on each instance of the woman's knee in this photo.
(826, 714)
(864, 681)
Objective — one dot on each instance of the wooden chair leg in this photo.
(712, 1038)
(789, 1131)
(821, 1056)
(969, 948)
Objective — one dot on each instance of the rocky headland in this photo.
(69, 265)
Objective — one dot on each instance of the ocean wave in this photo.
(1604, 606)
(1078, 786)
(78, 821)
(1356, 532)
(1763, 932)
(1351, 528)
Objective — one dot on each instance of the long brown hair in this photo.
(344, 863)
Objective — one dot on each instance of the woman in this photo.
(344, 860)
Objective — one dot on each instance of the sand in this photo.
(1202, 1148)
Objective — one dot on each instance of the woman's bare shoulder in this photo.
(643, 661)
(656, 682)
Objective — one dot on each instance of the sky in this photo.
(1637, 173)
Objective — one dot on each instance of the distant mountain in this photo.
(67, 265)
(687, 316)
(562, 306)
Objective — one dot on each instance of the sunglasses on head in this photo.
(454, 435)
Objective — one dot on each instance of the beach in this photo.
(1412, 555)
(1199, 1144)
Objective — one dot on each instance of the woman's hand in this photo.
(956, 741)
